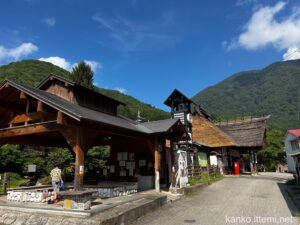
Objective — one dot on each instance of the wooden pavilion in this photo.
(61, 113)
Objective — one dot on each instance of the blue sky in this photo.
(148, 48)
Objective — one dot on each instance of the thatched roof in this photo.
(246, 133)
(206, 133)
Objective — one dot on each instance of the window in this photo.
(295, 145)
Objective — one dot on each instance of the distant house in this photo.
(292, 149)
(224, 143)
(212, 143)
(220, 144)
(249, 136)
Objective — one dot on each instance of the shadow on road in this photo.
(289, 199)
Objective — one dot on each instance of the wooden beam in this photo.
(109, 130)
(35, 141)
(61, 118)
(23, 95)
(40, 107)
(31, 117)
(28, 130)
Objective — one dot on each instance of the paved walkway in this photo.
(117, 210)
(243, 200)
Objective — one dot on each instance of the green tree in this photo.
(273, 154)
(96, 160)
(11, 159)
(59, 156)
(82, 74)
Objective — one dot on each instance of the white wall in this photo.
(288, 150)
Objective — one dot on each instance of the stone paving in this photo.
(117, 211)
(262, 199)
(234, 200)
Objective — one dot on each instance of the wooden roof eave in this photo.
(184, 131)
(127, 132)
(44, 100)
(72, 83)
(51, 75)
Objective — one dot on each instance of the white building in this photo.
(292, 149)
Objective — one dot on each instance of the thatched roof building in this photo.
(207, 134)
(247, 133)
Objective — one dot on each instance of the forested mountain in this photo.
(272, 90)
(31, 72)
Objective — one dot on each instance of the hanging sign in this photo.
(81, 170)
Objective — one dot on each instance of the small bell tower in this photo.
(181, 107)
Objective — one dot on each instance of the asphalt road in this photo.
(243, 200)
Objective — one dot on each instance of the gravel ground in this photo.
(242, 200)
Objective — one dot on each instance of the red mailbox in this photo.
(236, 168)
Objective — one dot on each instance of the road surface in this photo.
(243, 200)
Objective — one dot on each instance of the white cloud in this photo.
(18, 52)
(63, 63)
(292, 53)
(50, 21)
(58, 61)
(94, 65)
(128, 35)
(264, 29)
(121, 90)
(244, 2)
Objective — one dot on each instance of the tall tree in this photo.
(83, 75)
(273, 154)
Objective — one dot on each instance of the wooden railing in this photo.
(197, 171)
(194, 171)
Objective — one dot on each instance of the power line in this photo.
(297, 50)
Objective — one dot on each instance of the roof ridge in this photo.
(73, 83)
(238, 122)
(218, 129)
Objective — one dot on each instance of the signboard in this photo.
(32, 168)
(202, 158)
(213, 160)
(182, 171)
(81, 170)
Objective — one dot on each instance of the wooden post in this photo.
(173, 164)
(40, 107)
(6, 177)
(76, 139)
(23, 95)
(60, 118)
(156, 164)
(80, 140)
(255, 162)
(27, 110)
(79, 163)
(251, 162)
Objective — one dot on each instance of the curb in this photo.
(291, 196)
(127, 213)
(191, 189)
